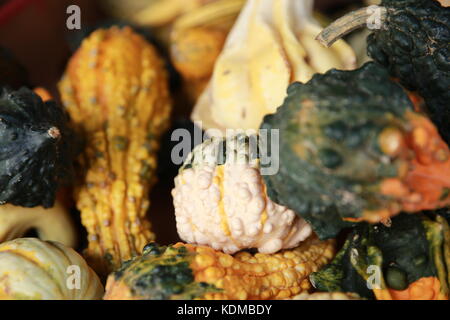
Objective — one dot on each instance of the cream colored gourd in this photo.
(50, 224)
(225, 206)
(32, 269)
(271, 45)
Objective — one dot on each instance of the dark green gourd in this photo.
(348, 151)
(413, 42)
(412, 248)
(35, 149)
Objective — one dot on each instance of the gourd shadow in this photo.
(161, 213)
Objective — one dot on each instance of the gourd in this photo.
(153, 13)
(326, 296)
(37, 148)
(194, 52)
(159, 15)
(184, 271)
(43, 93)
(116, 90)
(352, 149)
(196, 40)
(411, 40)
(410, 260)
(270, 46)
(32, 269)
(53, 224)
(220, 200)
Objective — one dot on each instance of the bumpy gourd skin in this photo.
(327, 296)
(116, 91)
(352, 148)
(413, 43)
(223, 203)
(184, 271)
(409, 258)
(36, 147)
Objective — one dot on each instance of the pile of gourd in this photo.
(360, 154)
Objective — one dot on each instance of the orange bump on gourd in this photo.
(423, 183)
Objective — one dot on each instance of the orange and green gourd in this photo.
(411, 39)
(116, 91)
(184, 271)
(352, 148)
(409, 260)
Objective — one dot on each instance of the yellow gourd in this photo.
(116, 91)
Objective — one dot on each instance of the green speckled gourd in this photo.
(408, 260)
(351, 149)
(413, 42)
(185, 271)
(36, 148)
(162, 273)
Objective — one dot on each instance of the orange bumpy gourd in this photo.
(184, 271)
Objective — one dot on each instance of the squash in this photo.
(196, 40)
(115, 89)
(53, 224)
(326, 296)
(194, 52)
(37, 148)
(150, 13)
(408, 260)
(353, 149)
(32, 269)
(411, 40)
(162, 15)
(43, 93)
(184, 271)
(270, 46)
(222, 202)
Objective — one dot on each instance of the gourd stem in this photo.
(351, 21)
